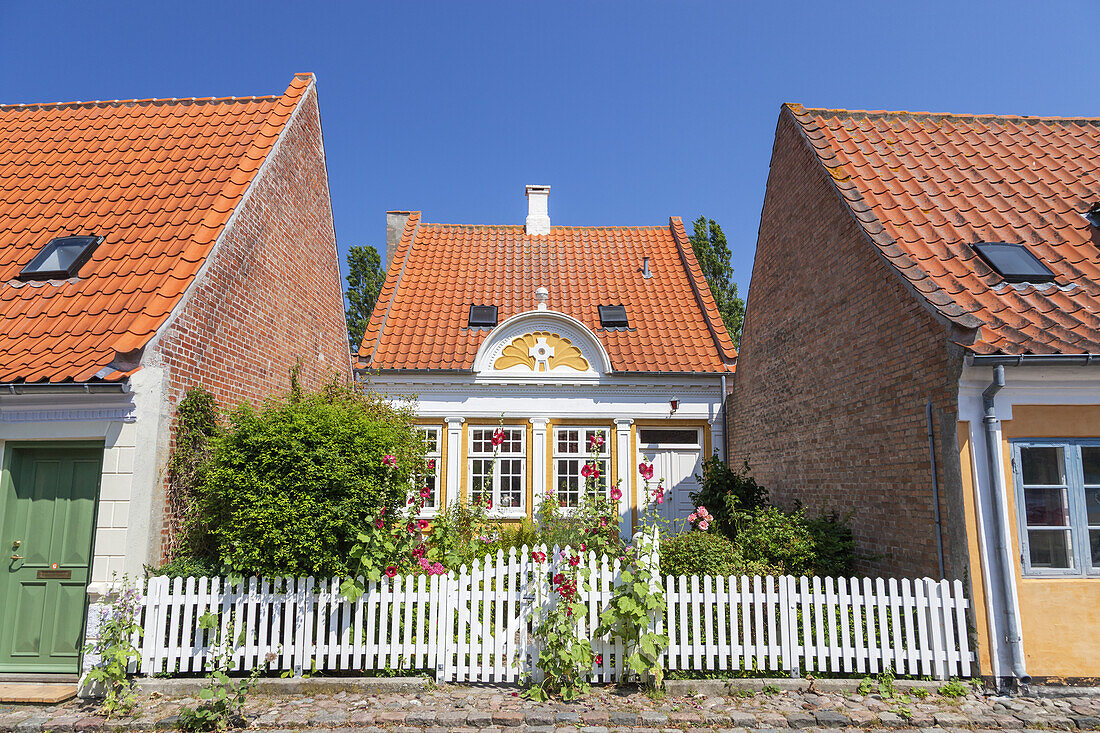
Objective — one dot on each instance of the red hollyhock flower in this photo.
(426, 491)
(380, 523)
(498, 436)
(599, 659)
(391, 571)
(559, 579)
(431, 463)
(412, 528)
(616, 494)
(489, 504)
(646, 469)
(423, 523)
(574, 561)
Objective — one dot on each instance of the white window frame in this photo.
(581, 457)
(473, 455)
(430, 510)
(1081, 564)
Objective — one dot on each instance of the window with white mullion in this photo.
(429, 478)
(1090, 476)
(572, 451)
(1047, 517)
(505, 482)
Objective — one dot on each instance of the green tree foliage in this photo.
(713, 253)
(288, 487)
(365, 278)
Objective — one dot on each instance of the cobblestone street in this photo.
(606, 709)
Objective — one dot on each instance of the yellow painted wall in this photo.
(1060, 617)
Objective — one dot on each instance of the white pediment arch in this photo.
(541, 346)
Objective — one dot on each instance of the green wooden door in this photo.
(47, 519)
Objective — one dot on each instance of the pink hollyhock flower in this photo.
(646, 469)
(704, 525)
(596, 441)
(423, 523)
(599, 659)
(391, 571)
(498, 436)
(426, 491)
(616, 494)
(587, 470)
(389, 460)
(660, 499)
(431, 463)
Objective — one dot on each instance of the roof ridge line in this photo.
(798, 109)
(415, 226)
(839, 187)
(152, 101)
(687, 257)
(654, 227)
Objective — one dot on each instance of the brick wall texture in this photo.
(837, 364)
(271, 293)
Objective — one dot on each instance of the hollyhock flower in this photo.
(660, 499)
(582, 547)
(389, 460)
(569, 612)
(411, 501)
(704, 525)
(646, 469)
(426, 491)
(419, 551)
(423, 523)
(489, 504)
(412, 528)
(391, 571)
(498, 437)
(596, 441)
(616, 494)
(380, 523)
(538, 556)
(587, 470)
(431, 463)
(559, 579)
(603, 521)
(574, 561)
(599, 659)
(438, 569)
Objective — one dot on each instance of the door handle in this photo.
(18, 557)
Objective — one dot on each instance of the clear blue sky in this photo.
(632, 112)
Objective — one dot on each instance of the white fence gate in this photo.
(473, 625)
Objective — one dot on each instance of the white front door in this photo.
(676, 455)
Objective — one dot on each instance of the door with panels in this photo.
(48, 496)
(676, 454)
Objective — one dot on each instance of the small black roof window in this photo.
(613, 316)
(1014, 262)
(61, 258)
(483, 316)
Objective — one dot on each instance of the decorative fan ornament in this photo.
(541, 351)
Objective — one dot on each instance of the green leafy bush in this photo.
(773, 541)
(725, 492)
(287, 488)
(699, 553)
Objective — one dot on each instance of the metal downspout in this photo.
(935, 492)
(1000, 518)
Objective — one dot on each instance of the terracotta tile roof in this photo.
(439, 270)
(926, 186)
(158, 179)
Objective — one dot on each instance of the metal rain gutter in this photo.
(23, 388)
(1003, 543)
(1035, 360)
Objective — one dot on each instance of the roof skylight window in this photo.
(60, 259)
(613, 316)
(1014, 262)
(483, 316)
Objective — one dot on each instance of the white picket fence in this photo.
(474, 625)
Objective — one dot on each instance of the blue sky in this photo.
(632, 112)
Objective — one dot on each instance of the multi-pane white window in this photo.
(504, 484)
(430, 478)
(572, 452)
(1058, 506)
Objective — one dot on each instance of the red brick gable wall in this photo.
(837, 364)
(271, 292)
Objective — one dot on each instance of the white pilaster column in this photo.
(624, 469)
(454, 456)
(538, 461)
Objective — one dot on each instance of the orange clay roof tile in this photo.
(927, 186)
(440, 270)
(157, 178)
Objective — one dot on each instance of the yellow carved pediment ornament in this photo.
(541, 351)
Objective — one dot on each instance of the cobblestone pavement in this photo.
(605, 710)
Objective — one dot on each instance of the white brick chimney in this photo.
(538, 216)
